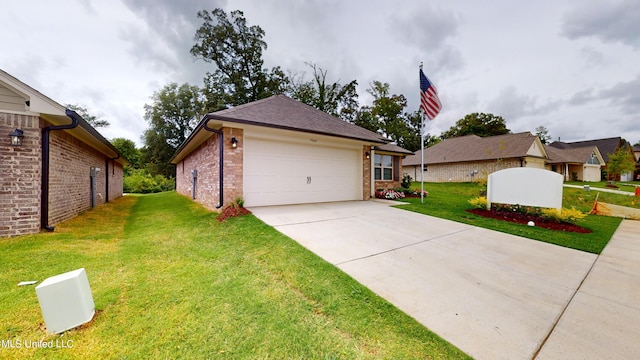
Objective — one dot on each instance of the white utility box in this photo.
(66, 301)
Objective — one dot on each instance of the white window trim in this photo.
(382, 167)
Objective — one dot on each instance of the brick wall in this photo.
(205, 159)
(19, 176)
(366, 173)
(460, 172)
(115, 175)
(233, 165)
(70, 162)
(390, 184)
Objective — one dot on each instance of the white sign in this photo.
(525, 186)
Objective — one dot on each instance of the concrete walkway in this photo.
(493, 295)
(614, 191)
(602, 320)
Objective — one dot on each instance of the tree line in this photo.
(235, 50)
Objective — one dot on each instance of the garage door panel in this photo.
(287, 173)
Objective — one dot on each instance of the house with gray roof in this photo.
(606, 146)
(469, 158)
(55, 165)
(279, 151)
(576, 164)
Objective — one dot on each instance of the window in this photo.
(593, 159)
(383, 167)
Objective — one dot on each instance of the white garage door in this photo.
(278, 173)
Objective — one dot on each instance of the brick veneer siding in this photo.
(460, 172)
(115, 175)
(366, 173)
(19, 176)
(70, 162)
(205, 159)
(390, 184)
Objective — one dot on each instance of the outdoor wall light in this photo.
(234, 143)
(16, 137)
(367, 154)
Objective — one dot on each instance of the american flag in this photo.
(429, 101)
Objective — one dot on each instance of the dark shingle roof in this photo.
(393, 148)
(605, 146)
(475, 148)
(280, 111)
(571, 155)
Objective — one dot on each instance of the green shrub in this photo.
(141, 182)
(479, 202)
(406, 181)
(572, 215)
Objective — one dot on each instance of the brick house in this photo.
(279, 151)
(469, 158)
(62, 167)
(606, 146)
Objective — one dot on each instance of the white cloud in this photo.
(569, 66)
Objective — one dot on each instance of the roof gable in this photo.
(25, 99)
(580, 155)
(605, 146)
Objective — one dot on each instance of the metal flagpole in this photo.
(421, 150)
(421, 156)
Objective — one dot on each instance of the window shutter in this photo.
(396, 168)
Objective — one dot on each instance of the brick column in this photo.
(20, 176)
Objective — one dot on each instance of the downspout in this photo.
(220, 161)
(44, 190)
(106, 180)
(106, 174)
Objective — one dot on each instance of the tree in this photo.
(620, 162)
(543, 134)
(334, 99)
(128, 150)
(365, 119)
(236, 49)
(94, 120)
(637, 143)
(387, 111)
(174, 113)
(410, 138)
(156, 153)
(479, 124)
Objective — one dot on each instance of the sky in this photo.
(570, 66)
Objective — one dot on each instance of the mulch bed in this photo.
(524, 219)
(231, 211)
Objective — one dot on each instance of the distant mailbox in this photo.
(65, 301)
(525, 186)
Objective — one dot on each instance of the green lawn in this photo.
(449, 201)
(623, 186)
(170, 281)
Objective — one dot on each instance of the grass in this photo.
(622, 186)
(449, 201)
(170, 281)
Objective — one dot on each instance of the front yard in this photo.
(450, 201)
(170, 281)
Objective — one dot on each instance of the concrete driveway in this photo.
(493, 295)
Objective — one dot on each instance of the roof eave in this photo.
(184, 149)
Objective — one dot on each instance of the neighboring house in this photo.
(62, 167)
(606, 147)
(469, 158)
(636, 153)
(280, 151)
(576, 164)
